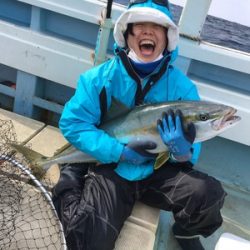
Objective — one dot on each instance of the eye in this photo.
(204, 117)
(138, 25)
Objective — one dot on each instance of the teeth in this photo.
(147, 42)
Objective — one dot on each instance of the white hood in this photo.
(145, 14)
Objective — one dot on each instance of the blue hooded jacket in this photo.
(83, 112)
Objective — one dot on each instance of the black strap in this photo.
(103, 103)
(141, 93)
(122, 54)
(153, 79)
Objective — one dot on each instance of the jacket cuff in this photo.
(181, 158)
(116, 154)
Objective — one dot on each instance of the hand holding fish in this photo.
(178, 140)
(136, 152)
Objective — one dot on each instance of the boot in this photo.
(186, 240)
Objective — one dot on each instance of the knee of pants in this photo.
(208, 191)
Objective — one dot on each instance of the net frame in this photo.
(28, 218)
(41, 188)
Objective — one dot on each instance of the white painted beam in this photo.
(86, 10)
(215, 54)
(43, 56)
(193, 17)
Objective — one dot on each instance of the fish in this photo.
(140, 124)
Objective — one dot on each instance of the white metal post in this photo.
(193, 17)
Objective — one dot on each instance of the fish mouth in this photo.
(229, 119)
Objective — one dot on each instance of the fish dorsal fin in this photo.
(116, 109)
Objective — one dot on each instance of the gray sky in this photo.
(234, 10)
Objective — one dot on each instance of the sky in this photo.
(233, 10)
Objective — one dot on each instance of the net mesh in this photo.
(27, 217)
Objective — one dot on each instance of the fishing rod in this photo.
(103, 35)
(109, 8)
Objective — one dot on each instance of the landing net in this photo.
(28, 219)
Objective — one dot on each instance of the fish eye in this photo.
(204, 117)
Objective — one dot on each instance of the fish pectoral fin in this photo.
(161, 159)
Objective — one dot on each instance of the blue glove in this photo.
(178, 140)
(136, 152)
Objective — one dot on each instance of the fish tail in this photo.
(38, 162)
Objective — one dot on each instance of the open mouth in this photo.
(228, 119)
(147, 47)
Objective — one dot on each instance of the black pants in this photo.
(93, 211)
